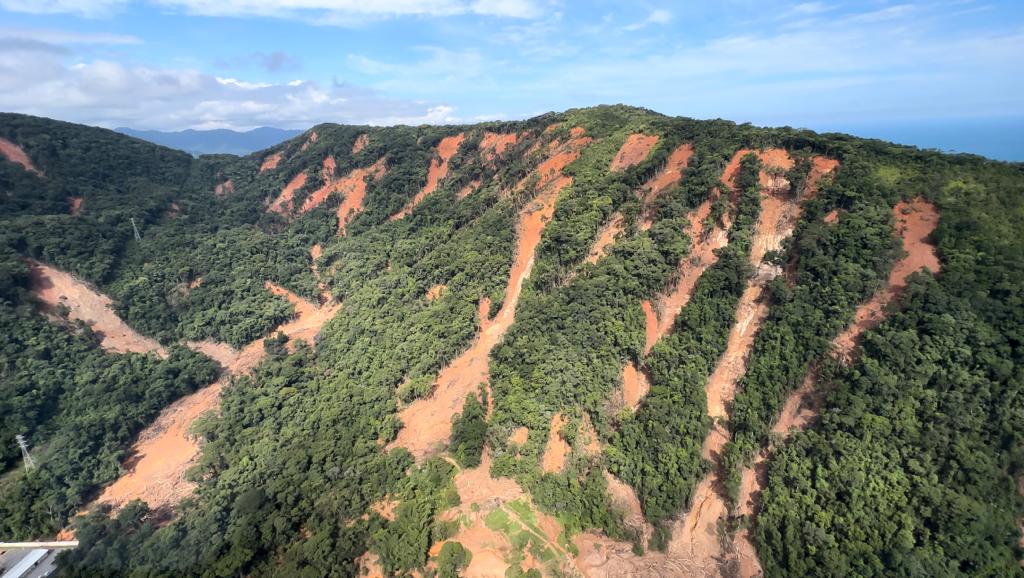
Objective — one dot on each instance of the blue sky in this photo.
(172, 64)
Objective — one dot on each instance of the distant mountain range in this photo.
(218, 141)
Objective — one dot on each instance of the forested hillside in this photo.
(602, 342)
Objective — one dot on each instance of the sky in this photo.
(939, 67)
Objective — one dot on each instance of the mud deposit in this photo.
(556, 449)
(53, 287)
(165, 450)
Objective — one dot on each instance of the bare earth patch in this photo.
(428, 421)
(165, 450)
(16, 154)
(605, 238)
(225, 188)
(283, 203)
(666, 178)
(556, 449)
(915, 221)
(353, 189)
(635, 149)
(361, 142)
(832, 217)
(54, 287)
(271, 162)
(75, 205)
(313, 137)
(437, 171)
(467, 190)
(494, 144)
(435, 291)
(635, 385)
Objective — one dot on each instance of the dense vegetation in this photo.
(910, 471)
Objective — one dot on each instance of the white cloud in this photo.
(82, 7)
(314, 11)
(54, 36)
(42, 79)
(658, 16)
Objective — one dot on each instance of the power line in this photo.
(30, 464)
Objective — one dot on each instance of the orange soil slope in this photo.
(283, 203)
(361, 142)
(353, 189)
(605, 237)
(16, 154)
(556, 450)
(428, 420)
(669, 175)
(270, 162)
(915, 221)
(164, 450)
(494, 144)
(225, 188)
(54, 287)
(635, 149)
(438, 170)
(75, 205)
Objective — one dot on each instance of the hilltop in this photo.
(601, 342)
(215, 141)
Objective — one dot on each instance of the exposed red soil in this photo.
(701, 256)
(468, 189)
(428, 421)
(480, 492)
(54, 287)
(313, 137)
(494, 144)
(16, 154)
(519, 436)
(165, 450)
(353, 189)
(329, 185)
(361, 142)
(820, 166)
(435, 291)
(915, 221)
(314, 253)
(651, 335)
(635, 385)
(695, 548)
(605, 237)
(385, 508)
(635, 149)
(75, 205)
(225, 188)
(556, 449)
(438, 170)
(174, 211)
(283, 203)
(664, 179)
(832, 217)
(270, 162)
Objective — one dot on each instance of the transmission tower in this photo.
(30, 463)
(138, 237)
